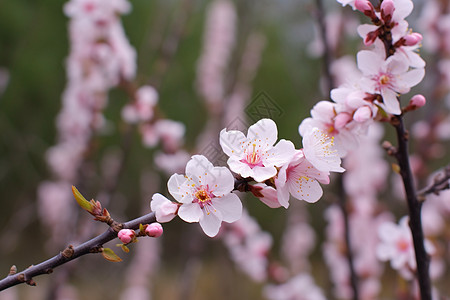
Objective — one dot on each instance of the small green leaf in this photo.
(82, 202)
(109, 254)
(125, 248)
(141, 228)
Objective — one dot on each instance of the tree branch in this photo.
(70, 253)
(440, 182)
(415, 207)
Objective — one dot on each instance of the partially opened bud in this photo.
(126, 235)
(412, 39)
(341, 120)
(362, 114)
(366, 7)
(154, 230)
(387, 10)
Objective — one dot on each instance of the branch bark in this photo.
(70, 253)
(414, 207)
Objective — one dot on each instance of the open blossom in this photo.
(255, 155)
(142, 109)
(205, 194)
(396, 245)
(300, 179)
(388, 77)
(319, 150)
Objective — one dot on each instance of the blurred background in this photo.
(274, 59)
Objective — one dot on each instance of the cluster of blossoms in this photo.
(390, 68)
(219, 39)
(100, 57)
(205, 193)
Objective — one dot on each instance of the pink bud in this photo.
(362, 114)
(341, 120)
(154, 230)
(418, 100)
(364, 6)
(126, 235)
(387, 9)
(412, 39)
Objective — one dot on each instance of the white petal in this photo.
(190, 212)
(397, 64)
(232, 142)
(261, 174)
(210, 224)
(281, 154)
(220, 181)
(239, 167)
(264, 130)
(179, 188)
(369, 62)
(270, 197)
(304, 188)
(198, 165)
(412, 78)
(164, 208)
(230, 207)
(390, 101)
(320, 151)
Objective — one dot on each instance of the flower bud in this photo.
(365, 6)
(418, 101)
(154, 230)
(341, 120)
(387, 10)
(126, 235)
(412, 39)
(362, 114)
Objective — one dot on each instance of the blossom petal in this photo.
(164, 208)
(210, 224)
(232, 142)
(179, 188)
(261, 174)
(411, 78)
(190, 212)
(198, 165)
(264, 130)
(220, 181)
(230, 207)
(281, 154)
(304, 188)
(390, 101)
(369, 62)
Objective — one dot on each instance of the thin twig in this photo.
(70, 253)
(440, 182)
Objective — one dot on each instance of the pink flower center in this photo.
(203, 197)
(253, 158)
(384, 80)
(403, 245)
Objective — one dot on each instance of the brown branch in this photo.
(414, 207)
(70, 253)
